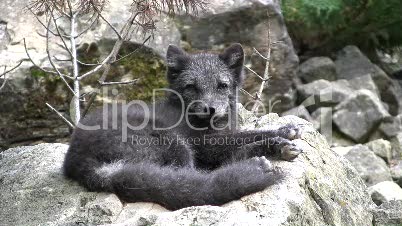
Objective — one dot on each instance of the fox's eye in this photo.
(223, 86)
(190, 86)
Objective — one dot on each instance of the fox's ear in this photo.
(233, 56)
(173, 56)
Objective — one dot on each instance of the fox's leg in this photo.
(183, 187)
(276, 146)
(248, 144)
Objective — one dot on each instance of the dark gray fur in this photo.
(180, 174)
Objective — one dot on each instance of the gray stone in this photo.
(351, 63)
(317, 68)
(396, 143)
(340, 140)
(321, 93)
(396, 172)
(390, 61)
(391, 126)
(359, 115)
(364, 82)
(385, 191)
(320, 188)
(299, 111)
(322, 119)
(370, 167)
(381, 148)
(342, 150)
(388, 214)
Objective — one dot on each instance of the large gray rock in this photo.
(245, 21)
(362, 82)
(388, 214)
(396, 143)
(385, 191)
(371, 168)
(391, 126)
(381, 148)
(321, 188)
(351, 63)
(317, 68)
(359, 115)
(321, 93)
(396, 172)
(299, 111)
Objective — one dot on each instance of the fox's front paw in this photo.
(290, 131)
(262, 163)
(289, 151)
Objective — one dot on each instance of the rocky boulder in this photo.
(391, 126)
(371, 168)
(321, 188)
(385, 191)
(388, 214)
(381, 148)
(359, 115)
(317, 68)
(321, 93)
(396, 172)
(351, 63)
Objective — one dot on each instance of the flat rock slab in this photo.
(321, 188)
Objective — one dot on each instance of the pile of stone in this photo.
(357, 107)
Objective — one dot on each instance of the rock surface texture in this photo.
(321, 188)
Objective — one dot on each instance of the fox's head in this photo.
(207, 82)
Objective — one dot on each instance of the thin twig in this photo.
(60, 115)
(88, 28)
(255, 73)
(61, 37)
(43, 25)
(259, 54)
(119, 83)
(266, 70)
(247, 93)
(37, 66)
(136, 50)
(5, 72)
(106, 21)
(61, 75)
(87, 64)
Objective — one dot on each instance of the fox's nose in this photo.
(212, 110)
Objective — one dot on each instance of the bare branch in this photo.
(12, 69)
(60, 115)
(97, 68)
(255, 73)
(136, 50)
(59, 34)
(247, 93)
(61, 75)
(40, 68)
(5, 72)
(43, 25)
(118, 83)
(87, 64)
(88, 28)
(106, 21)
(259, 54)
(61, 60)
(267, 64)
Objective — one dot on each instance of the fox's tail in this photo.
(174, 188)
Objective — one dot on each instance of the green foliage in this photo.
(331, 24)
(150, 69)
